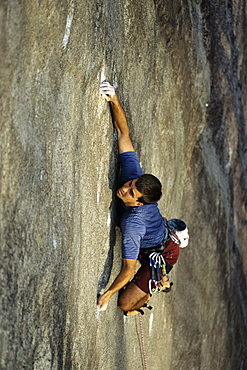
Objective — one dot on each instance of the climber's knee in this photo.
(129, 297)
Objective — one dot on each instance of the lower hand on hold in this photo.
(102, 303)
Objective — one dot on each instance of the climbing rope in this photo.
(144, 357)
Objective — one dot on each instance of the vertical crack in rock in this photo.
(112, 180)
(104, 278)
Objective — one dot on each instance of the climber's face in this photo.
(129, 194)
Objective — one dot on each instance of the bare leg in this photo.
(132, 298)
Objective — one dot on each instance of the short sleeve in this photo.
(132, 233)
(130, 167)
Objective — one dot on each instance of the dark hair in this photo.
(150, 187)
(176, 224)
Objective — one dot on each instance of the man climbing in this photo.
(144, 231)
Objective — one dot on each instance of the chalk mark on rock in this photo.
(68, 25)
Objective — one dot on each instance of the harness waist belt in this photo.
(158, 248)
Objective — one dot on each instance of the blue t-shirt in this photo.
(142, 227)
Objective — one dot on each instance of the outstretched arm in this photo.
(127, 272)
(118, 116)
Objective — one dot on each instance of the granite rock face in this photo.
(180, 69)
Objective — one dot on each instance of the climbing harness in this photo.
(157, 262)
(169, 235)
(160, 247)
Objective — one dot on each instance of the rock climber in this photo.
(143, 228)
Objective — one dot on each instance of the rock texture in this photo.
(180, 69)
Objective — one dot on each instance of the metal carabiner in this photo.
(152, 290)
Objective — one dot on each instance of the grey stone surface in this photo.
(179, 68)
